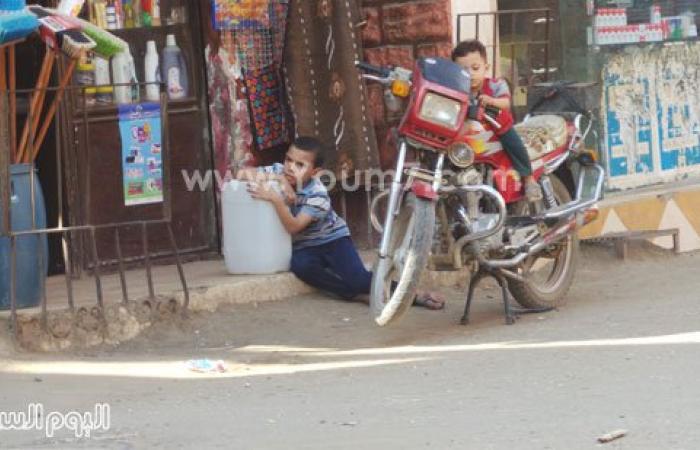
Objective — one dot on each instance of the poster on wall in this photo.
(142, 162)
(652, 116)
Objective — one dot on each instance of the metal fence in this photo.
(472, 26)
(9, 97)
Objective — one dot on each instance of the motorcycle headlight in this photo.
(440, 110)
(461, 155)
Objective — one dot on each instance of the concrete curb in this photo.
(259, 289)
(82, 330)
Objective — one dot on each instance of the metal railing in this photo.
(497, 44)
(8, 149)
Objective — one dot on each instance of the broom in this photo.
(101, 42)
(58, 34)
(107, 44)
(37, 99)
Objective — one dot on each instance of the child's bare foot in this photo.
(533, 191)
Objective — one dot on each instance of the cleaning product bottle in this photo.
(124, 73)
(102, 77)
(174, 70)
(152, 68)
(135, 88)
(111, 15)
(136, 8)
(155, 13)
(128, 14)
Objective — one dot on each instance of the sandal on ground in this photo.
(429, 301)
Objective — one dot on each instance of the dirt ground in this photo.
(315, 373)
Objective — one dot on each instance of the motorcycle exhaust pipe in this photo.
(552, 237)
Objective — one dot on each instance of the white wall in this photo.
(486, 23)
(468, 23)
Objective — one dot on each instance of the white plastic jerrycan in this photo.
(255, 241)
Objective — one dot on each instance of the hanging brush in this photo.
(61, 34)
(107, 44)
(75, 43)
(15, 24)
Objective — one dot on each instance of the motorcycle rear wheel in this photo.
(396, 277)
(547, 287)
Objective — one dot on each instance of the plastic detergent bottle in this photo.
(102, 77)
(174, 70)
(152, 67)
(124, 72)
(255, 241)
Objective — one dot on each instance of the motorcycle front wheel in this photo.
(396, 277)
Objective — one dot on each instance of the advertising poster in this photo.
(142, 162)
(651, 115)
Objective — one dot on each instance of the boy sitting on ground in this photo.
(323, 254)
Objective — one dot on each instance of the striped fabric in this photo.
(313, 200)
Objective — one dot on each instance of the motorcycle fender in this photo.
(423, 190)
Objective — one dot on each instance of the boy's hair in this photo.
(311, 145)
(466, 47)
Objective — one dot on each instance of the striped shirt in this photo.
(313, 200)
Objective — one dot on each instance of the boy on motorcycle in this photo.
(323, 254)
(495, 93)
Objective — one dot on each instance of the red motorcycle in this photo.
(456, 201)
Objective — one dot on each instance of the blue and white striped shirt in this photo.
(313, 200)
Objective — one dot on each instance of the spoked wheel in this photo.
(396, 277)
(550, 273)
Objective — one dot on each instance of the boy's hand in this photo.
(486, 100)
(502, 103)
(263, 191)
(290, 195)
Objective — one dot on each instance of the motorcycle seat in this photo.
(543, 134)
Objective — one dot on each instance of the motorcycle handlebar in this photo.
(370, 68)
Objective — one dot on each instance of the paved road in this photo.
(314, 373)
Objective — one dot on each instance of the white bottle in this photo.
(102, 77)
(155, 14)
(124, 72)
(112, 23)
(151, 70)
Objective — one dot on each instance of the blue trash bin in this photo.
(32, 250)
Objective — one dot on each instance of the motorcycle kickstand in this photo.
(502, 283)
